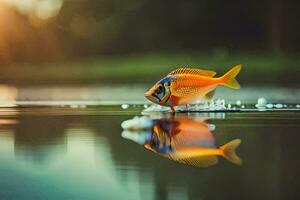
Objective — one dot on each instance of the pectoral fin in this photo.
(174, 99)
(210, 95)
(175, 130)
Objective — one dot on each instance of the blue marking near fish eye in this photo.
(166, 80)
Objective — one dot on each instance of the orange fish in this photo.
(186, 85)
(183, 140)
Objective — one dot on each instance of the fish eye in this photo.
(159, 89)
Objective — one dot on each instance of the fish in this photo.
(186, 85)
(183, 140)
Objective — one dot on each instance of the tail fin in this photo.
(229, 151)
(229, 78)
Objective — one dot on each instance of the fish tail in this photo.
(228, 151)
(229, 80)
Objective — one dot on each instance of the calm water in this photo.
(54, 153)
(66, 143)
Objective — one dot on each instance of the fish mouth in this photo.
(152, 97)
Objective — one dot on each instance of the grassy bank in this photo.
(257, 68)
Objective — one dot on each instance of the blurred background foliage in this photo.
(95, 41)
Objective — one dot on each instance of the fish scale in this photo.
(188, 88)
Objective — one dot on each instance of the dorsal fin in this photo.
(193, 71)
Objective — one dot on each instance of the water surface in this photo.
(64, 155)
(65, 143)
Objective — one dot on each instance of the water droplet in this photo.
(261, 102)
(243, 106)
(124, 106)
(278, 105)
(238, 102)
(229, 106)
(297, 106)
(145, 106)
(269, 105)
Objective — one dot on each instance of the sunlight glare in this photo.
(40, 9)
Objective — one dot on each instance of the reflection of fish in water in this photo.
(184, 140)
